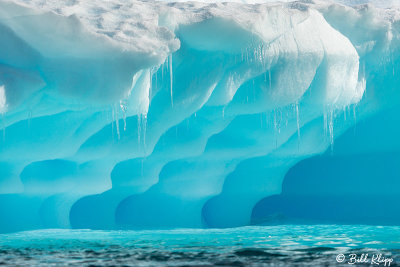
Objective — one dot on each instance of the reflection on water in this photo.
(286, 245)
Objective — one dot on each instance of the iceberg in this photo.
(168, 114)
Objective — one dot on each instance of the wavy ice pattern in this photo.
(143, 114)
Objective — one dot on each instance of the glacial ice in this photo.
(145, 114)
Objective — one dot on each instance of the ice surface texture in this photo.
(144, 114)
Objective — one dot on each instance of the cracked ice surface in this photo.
(145, 114)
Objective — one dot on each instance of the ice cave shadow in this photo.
(357, 183)
(339, 190)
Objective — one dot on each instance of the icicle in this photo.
(392, 61)
(151, 82)
(355, 118)
(261, 50)
(123, 109)
(269, 76)
(162, 72)
(277, 125)
(279, 121)
(139, 129)
(112, 122)
(331, 137)
(4, 127)
(171, 79)
(142, 125)
(286, 120)
(298, 122)
(151, 91)
(276, 122)
(144, 131)
(325, 123)
(393, 69)
(117, 123)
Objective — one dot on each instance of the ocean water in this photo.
(285, 245)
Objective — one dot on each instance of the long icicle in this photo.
(139, 128)
(331, 137)
(117, 122)
(112, 122)
(298, 124)
(171, 78)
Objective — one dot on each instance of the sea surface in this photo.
(285, 245)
